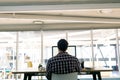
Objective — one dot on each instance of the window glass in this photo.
(25, 46)
(29, 49)
(7, 53)
(82, 40)
(104, 48)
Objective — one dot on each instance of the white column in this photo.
(118, 53)
(66, 35)
(93, 63)
(17, 51)
(41, 47)
(17, 44)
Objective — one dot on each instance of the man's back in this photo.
(63, 63)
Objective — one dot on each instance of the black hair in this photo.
(62, 45)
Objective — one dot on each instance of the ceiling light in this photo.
(38, 22)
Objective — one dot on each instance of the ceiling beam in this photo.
(29, 19)
(65, 26)
(58, 15)
(52, 2)
(32, 8)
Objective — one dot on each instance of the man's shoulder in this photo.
(72, 56)
(68, 56)
(52, 58)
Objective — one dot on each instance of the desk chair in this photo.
(69, 76)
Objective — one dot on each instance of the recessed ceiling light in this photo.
(38, 22)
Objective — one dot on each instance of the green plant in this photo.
(40, 65)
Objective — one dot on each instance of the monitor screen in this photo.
(71, 50)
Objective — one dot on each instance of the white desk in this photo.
(94, 71)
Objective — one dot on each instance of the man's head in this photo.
(62, 45)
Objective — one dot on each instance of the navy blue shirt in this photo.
(62, 63)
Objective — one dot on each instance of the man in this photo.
(62, 63)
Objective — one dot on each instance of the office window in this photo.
(35, 46)
(105, 47)
(7, 53)
(29, 49)
(82, 40)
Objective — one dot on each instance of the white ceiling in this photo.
(58, 14)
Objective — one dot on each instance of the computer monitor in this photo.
(71, 50)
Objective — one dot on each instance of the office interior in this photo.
(29, 31)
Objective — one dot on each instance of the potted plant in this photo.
(39, 66)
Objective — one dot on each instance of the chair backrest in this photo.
(69, 76)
